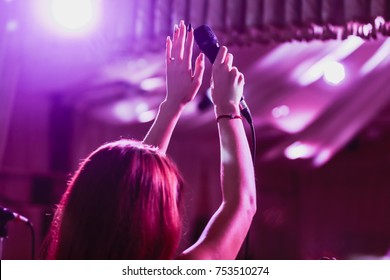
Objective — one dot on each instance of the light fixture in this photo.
(72, 14)
(334, 72)
(152, 84)
(124, 111)
(299, 150)
(69, 17)
(280, 111)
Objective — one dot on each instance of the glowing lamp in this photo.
(72, 14)
(280, 111)
(299, 150)
(69, 17)
(334, 72)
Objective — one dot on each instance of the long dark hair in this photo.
(122, 203)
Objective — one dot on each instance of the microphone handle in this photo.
(245, 110)
(8, 215)
(211, 51)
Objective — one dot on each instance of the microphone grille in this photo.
(207, 41)
(204, 35)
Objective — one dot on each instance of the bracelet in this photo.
(231, 117)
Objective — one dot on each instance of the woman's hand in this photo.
(227, 84)
(182, 84)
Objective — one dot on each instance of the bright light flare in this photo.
(322, 157)
(72, 14)
(127, 112)
(299, 150)
(293, 122)
(152, 84)
(280, 111)
(11, 26)
(147, 116)
(381, 54)
(69, 16)
(334, 72)
(306, 75)
(124, 111)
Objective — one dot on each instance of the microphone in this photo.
(208, 44)
(7, 215)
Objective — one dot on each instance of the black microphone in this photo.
(7, 215)
(208, 44)
(207, 41)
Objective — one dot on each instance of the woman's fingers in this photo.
(168, 50)
(189, 44)
(221, 56)
(241, 79)
(176, 32)
(175, 37)
(179, 37)
(199, 69)
(229, 60)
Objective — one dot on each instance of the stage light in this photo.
(299, 150)
(11, 26)
(375, 60)
(68, 17)
(72, 14)
(124, 111)
(147, 116)
(306, 74)
(280, 111)
(379, 22)
(152, 84)
(313, 74)
(322, 157)
(141, 107)
(334, 72)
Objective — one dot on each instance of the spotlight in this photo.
(11, 26)
(334, 72)
(124, 111)
(299, 150)
(147, 116)
(72, 14)
(280, 111)
(72, 17)
(152, 84)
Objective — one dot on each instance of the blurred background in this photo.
(75, 74)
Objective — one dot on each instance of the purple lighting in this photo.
(124, 111)
(152, 84)
(299, 150)
(72, 14)
(12, 26)
(328, 66)
(280, 111)
(334, 72)
(69, 16)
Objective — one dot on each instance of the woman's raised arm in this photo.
(182, 85)
(228, 227)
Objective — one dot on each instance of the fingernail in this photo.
(175, 28)
(189, 28)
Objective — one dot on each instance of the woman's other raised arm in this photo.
(228, 227)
